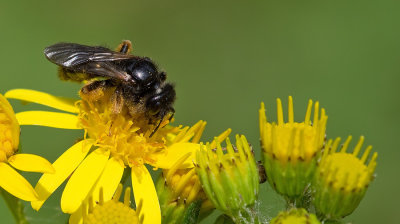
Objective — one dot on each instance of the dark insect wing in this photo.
(69, 54)
(104, 69)
(87, 59)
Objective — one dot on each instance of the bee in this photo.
(136, 81)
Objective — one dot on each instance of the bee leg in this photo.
(132, 101)
(117, 100)
(172, 114)
(158, 126)
(94, 90)
(125, 47)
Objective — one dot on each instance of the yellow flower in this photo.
(290, 150)
(112, 211)
(295, 216)
(342, 178)
(119, 141)
(11, 180)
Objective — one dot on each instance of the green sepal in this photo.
(290, 179)
(192, 213)
(224, 219)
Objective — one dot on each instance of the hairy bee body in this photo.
(135, 81)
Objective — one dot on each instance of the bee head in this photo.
(160, 102)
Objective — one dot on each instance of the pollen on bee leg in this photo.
(124, 47)
(92, 91)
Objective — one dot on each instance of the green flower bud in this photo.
(291, 150)
(230, 180)
(342, 179)
(180, 189)
(177, 189)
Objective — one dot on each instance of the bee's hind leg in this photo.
(117, 100)
(125, 47)
(95, 90)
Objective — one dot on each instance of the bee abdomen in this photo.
(69, 75)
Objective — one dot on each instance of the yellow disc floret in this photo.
(9, 130)
(293, 141)
(112, 211)
(295, 216)
(127, 136)
(342, 178)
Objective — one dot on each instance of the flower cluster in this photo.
(310, 172)
(319, 179)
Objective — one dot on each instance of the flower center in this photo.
(295, 216)
(347, 171)
(293, 141)
(9, 130)
(127, 136)
(112, 211)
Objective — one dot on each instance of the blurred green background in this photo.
(225, 58)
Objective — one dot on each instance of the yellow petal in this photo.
(31, 163)
(76, 217)
(82, 180)
(64, 166)
(168, 158)
(144, 190)
(108, 180)
(48, 119)
(33, 96)
(15, 184)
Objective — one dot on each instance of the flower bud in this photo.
(295, 216)
(342, 178)
(291, 150)
(230, 180)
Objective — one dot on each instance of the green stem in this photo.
(16, 207)
(126, 175)
(246, 216)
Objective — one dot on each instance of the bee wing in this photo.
(87, 59)
(69, 55)
(103, 69)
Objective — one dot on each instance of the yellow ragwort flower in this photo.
(11, 180)
(112, 211)
(291, 149)
(342, 178)
(295, 216)
(119, 141)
